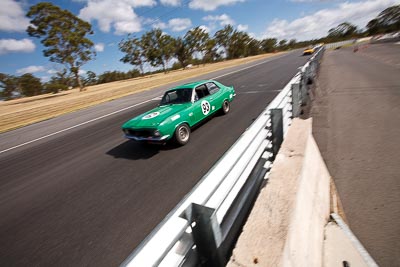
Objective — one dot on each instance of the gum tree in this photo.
(197, 39)
(182, 52)
(387, 21)
(134, 52)
(63, 35)
(8, 86)
(158, 47)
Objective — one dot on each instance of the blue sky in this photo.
(112, 20)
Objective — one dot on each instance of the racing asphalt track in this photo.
(87, 197)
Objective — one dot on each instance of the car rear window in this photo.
(212, 88)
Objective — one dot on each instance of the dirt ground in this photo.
(24, 111)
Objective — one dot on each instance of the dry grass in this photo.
(25, 111)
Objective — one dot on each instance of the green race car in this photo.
(180, 109)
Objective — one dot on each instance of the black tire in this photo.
(182, 134)
(225, 107)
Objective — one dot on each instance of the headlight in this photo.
(157, 133)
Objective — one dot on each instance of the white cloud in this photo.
(155, 23)
(45, 79)
(118, 15)
(99, 47)
(222, 20)
(242, 28)
(12, 16)
(82, 72)
(209, 5)
(171, 2)
(160, 25)
(31, 69)
(318, 24)
(13, 45)
(205, 28)
(52, 71)
(179, 24)
(176, 24)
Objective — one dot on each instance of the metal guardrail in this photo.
(340, 44)
(202, 228)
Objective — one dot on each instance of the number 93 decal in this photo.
(205, 107)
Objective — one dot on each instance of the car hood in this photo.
(155, 116)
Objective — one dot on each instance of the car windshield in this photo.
(177, 96)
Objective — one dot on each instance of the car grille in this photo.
(141, 133)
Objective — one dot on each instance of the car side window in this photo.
(177, 96)
(171, 96)
(202, 91)
(212, 88)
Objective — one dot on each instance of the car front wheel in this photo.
(182, 134)
(225, 107)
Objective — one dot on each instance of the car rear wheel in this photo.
(225, 107)
(182, 134)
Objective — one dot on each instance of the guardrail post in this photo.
(277, 130)
(304, 83)
(313, 68)
(296, 100)
(206, 234)
(310, 73)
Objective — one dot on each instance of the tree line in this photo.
(66, 40)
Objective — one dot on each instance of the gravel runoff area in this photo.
(24, 111)
(356, 114)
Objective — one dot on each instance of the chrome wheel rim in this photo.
(226, 106)
(183, 133)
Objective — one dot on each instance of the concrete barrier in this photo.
(290, 223)
(286, 225)
(342, 248)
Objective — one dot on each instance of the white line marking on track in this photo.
(248, 67)
(118, 111)
(77, 125)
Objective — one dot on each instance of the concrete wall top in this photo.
(286, 225)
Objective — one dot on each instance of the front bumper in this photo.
(148, 139)
(145, 134)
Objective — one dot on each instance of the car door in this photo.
(202, 104)
(215, 96)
